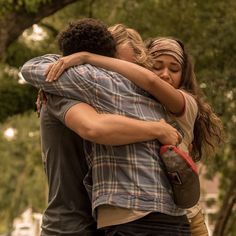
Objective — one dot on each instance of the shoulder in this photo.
(38, 63)
(189, 99)
(87, 69)
(191, 107)
(97, 73)
(58, 106)
(47, 58)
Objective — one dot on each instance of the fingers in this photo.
(175, 139)
(48, 69)
(179, 138)
(61, 69)
(55, 70)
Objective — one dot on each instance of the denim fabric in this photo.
(154, 224)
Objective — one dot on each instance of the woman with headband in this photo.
(172, 82)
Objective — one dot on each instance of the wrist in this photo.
(156, 129)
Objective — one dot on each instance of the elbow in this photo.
(23, 72)
(90, 133)
(26, 74)
(151, 83)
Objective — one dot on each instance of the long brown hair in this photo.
(208, 129)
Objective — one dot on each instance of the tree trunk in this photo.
(12, 24)
(226, 209)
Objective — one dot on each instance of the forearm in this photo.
(139, 75)
(117, 130)
(109, 129)
(171, 98)
(120, 130)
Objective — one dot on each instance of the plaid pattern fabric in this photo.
(129, 176)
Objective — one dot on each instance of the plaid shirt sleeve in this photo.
(75, 84)
(106, 91)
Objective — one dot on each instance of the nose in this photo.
(165, 75)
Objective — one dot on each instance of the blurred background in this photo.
(28, 28)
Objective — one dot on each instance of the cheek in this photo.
(177, 79)
(125, 52)
(126, 56)
(129, 57)
(156, 72)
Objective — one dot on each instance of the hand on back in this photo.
(55, 69)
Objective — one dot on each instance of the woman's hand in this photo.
(56, 69)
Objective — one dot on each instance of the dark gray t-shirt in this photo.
(69, 207)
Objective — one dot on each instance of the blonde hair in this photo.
(208, 128)
(123, 35)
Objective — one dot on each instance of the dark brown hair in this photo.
(208, 129)
(89, 35)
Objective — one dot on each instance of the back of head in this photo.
(123, 35)
(119, 33)
(89, 35)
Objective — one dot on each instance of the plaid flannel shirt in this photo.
(129, 176)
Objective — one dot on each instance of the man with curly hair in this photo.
(87, 35)
(69, 208)
(125, 176)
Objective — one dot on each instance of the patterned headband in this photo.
(167, 46)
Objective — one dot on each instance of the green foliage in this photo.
(206, 27)
(30, 6)
(22, 179)
(15, 98)
(30, 48)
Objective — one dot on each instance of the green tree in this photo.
(22, 181)
(206, 27)
(14, 51)
(21, 14)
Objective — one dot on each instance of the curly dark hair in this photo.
(89, 35)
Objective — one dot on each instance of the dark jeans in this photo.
(154, 224)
